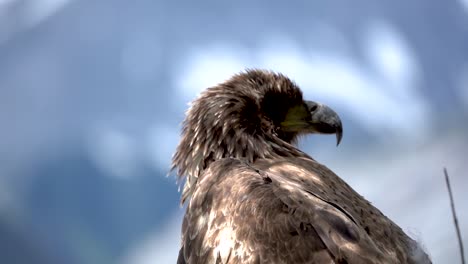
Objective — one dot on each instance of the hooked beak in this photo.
(324, 120)
(313, 117)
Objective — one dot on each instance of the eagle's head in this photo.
(254, 114)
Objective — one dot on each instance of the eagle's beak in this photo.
(313, 117)
(324, 120)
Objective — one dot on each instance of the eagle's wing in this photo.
(240, 214)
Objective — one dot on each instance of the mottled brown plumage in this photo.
(253, 197)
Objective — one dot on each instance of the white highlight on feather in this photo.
(201, 221)
(226, 243)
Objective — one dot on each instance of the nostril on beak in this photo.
(313, 108)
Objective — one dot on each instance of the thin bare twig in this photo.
(455, 220)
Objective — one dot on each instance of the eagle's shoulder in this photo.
(255, 213)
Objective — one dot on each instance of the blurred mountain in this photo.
(89, 217)
(17, 246)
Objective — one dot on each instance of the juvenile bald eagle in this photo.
(254, 197)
